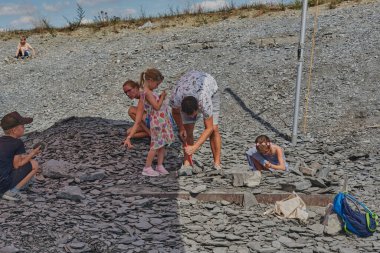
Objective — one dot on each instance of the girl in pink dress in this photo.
(161, 129)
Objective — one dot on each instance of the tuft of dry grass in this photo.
(174, 18)
(334, 3)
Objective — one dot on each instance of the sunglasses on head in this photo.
(263, 144)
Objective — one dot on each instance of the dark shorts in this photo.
(26, 54)
(19, 174)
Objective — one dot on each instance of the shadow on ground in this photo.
(256, 116)
(106, 220)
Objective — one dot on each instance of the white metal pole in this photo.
(299, 72)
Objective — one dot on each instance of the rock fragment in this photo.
(71, 193)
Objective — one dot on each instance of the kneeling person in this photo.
(266, 156)
(16, 167)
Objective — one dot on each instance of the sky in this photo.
(27, 14)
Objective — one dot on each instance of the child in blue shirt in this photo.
(266, 155)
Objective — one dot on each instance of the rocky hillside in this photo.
(253, 60)
(85, 200)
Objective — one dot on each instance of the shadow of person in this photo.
(256, 116)
(113, 216)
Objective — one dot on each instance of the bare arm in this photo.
(151, 99)
(280, 158)
(176, 112)
(204, 136)
(206, 133)
(29, 46)
(139, 115)
(18, 49)
(21, 160)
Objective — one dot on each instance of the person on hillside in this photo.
(197, 92)
(132, 90)
(161, 129)
(24, 49)
(266, 156)
(16, 168)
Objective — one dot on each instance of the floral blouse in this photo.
(161, 128)
(197, 84)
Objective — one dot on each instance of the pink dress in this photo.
(161, 128)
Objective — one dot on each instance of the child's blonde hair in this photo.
(150, 74)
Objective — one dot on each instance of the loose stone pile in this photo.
(81, 205)
(81, 202)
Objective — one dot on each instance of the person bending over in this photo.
(196, 92)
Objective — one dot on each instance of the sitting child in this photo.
(16, 168)
(23, 49)
(266, 156)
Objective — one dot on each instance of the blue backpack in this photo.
(356, 222)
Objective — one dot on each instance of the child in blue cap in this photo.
(16, 167)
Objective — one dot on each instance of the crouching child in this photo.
(266, 155)
(17, 168)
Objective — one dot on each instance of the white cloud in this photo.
(94, 2)
(25, 20)
(3, 29)
(17, 9)
(130, 12)
(210, 5)
(265, 1)
(87, 21)
(55, 6)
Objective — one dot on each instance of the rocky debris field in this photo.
(81, 202)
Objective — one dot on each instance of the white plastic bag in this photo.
(254, 179)
(293, 207)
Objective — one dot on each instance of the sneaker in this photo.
(11, 195)
(185, 170)
(150, 172)
(28, 185)
(160, 169)
(217, 167)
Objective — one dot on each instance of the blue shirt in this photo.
(9, 148)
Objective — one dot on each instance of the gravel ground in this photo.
(79, 205)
